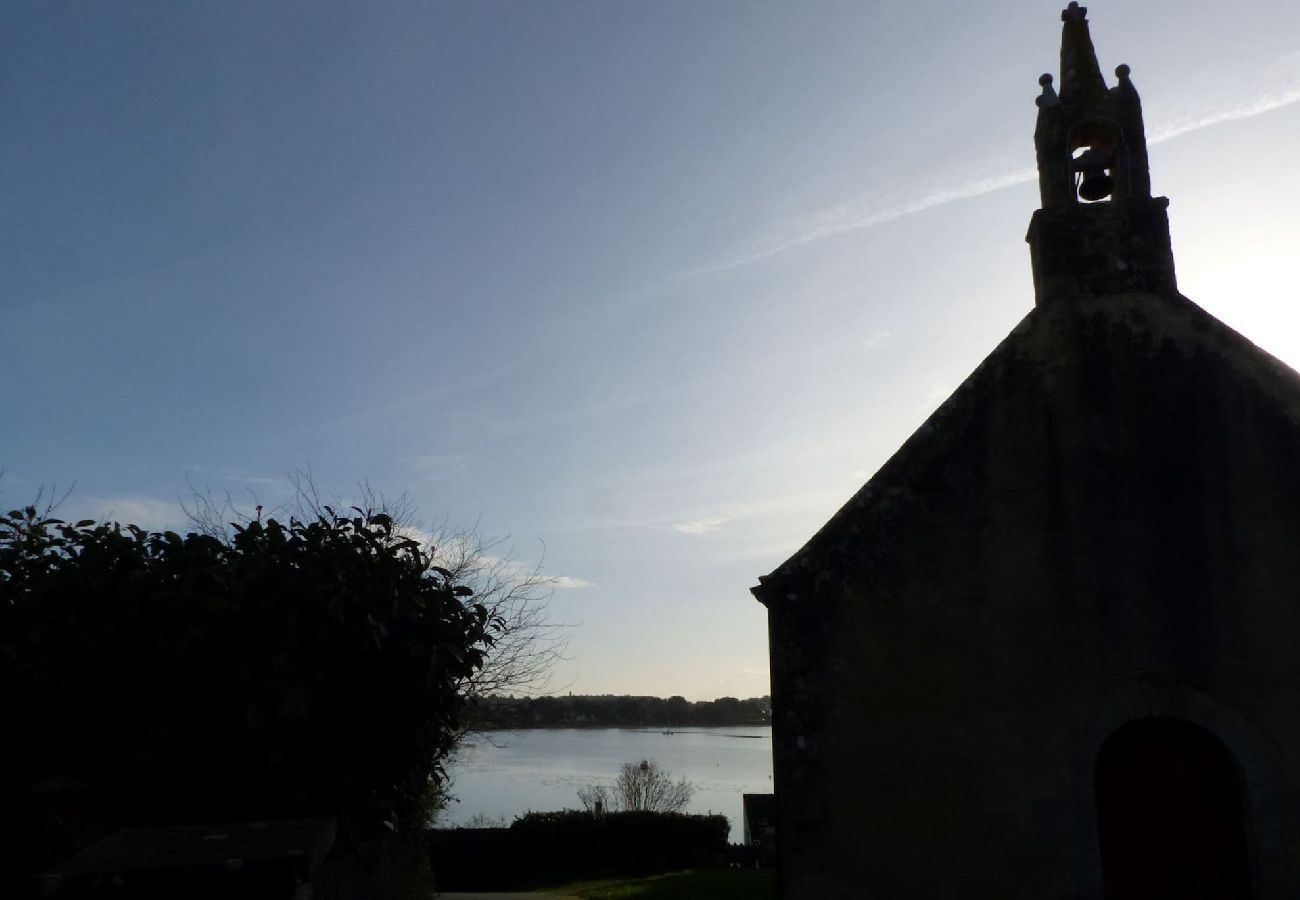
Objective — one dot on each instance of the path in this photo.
(523, 896)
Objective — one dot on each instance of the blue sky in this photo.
(653, 287)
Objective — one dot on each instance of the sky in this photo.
(646, 289)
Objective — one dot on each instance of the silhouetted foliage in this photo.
(295, 669)
(619, 711)
(527, 644)
(543, 848)
(640, 787)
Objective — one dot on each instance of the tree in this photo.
(639, 787)
(594, 798)
(517, 597)
(313, 667)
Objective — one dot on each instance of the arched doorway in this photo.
(1170, 814)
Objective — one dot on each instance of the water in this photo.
(513, 772)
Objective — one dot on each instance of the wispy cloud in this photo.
(1278, 98)
(879, 209)
(150, 513)
(867, 214)
(699, 526)
(770, 553)
(936, 393)
(878, 340)
(425, 537)
(253, 482)
(437, 466)
(503, 568)
(566, 582)
(739, 517)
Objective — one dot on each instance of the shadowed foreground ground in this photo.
(508, 896)
(706, 884)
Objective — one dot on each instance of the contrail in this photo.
(839, 220)
(1246, 110)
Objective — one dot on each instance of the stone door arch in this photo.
(1170, 815)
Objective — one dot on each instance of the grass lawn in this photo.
(702, 884)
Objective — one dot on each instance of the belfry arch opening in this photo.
(1094, 160)
(1170, 814)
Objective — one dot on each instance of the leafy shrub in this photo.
(298, 669)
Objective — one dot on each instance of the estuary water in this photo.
(508, 773)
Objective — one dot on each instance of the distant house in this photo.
(1050, 649)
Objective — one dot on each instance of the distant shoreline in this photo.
(640, 729)
(611, 711)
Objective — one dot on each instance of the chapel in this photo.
(1050, 648)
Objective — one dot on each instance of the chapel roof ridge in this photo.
(1173, 322)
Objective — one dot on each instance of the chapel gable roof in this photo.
(1037, 352)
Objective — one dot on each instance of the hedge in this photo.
(552, 847)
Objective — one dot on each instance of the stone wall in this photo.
(1100, 525)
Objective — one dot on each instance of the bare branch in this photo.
(516, 595)
(594, 798)
(640, 787)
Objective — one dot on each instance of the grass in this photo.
(700, 884)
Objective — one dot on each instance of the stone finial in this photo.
(1048, 96)
(1074, 13)
(1122, 71)
(1081, 79)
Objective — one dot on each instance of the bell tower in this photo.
(1099, 230)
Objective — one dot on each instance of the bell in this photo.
(1094, 182)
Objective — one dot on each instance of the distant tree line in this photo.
(609, 711)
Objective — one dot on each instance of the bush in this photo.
(298, 669)
(551, 847)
